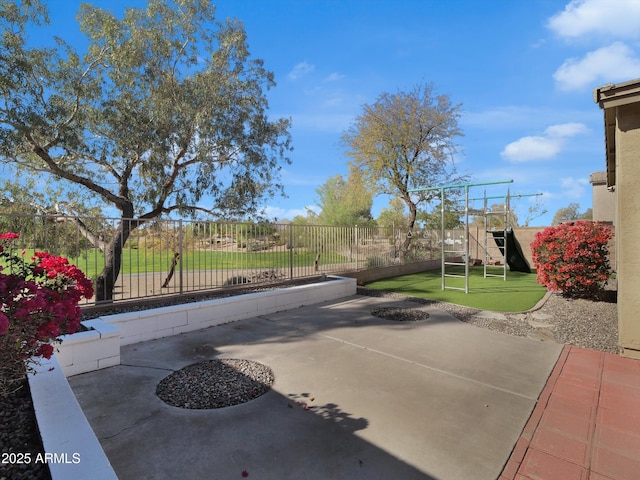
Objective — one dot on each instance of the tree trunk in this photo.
(413, 211)
(113, 261)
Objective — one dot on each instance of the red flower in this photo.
(40, 298)
(8, 236)
(572, 257)
(45, 350)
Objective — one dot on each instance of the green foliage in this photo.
(237, 280)
(374, 261)
(571, 213)
(495, 217)
(395, 216)
(162, 113)
(433, 219)
(345, 202)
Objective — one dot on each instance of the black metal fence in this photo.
(168, 256)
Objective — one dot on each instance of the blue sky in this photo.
(524, 72)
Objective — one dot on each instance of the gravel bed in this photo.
(399, 314)
(19, 435)
(215, 384)
(580, 322)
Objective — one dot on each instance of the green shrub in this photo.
(237, 280)
(376, 261)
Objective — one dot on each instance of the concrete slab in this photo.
(490, 315)
(436, 399)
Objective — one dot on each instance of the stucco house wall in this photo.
(604, 199)
(621, 106)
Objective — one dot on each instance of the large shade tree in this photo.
(405, 141)
(166, 111)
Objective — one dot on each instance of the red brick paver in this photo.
(586, 424)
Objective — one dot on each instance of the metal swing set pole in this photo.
(443, 261)
(506, 212)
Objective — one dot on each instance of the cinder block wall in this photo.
(525, 236)
(371, 274)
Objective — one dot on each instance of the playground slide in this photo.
(516, 260)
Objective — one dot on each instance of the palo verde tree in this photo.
(165, 112)
(345, 202)
(404, 141)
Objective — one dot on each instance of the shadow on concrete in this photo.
(273, 437)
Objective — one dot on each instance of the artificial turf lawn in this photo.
(518, 293)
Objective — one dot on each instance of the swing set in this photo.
(498, 244)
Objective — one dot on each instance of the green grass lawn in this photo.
(147, 261)
(518, 293)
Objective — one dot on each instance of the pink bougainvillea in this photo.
(573, 258)
(38, 302)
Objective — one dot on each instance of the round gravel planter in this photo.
(215, 384)
(400, 314)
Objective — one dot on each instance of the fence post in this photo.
(355, 236)
(180, 255)
(290, 252)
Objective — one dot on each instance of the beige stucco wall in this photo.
(604, 201)
(525, 236)
(628, 226)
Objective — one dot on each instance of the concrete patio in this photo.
(435, 399)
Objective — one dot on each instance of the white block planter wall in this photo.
(97, 347)
(63, 427)
(162, 322)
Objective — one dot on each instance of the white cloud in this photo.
(531, 148)
(334, 77)
(300, 70)
(574, 188)
(615, 62)
(288, 214)
(542, 147)
(605, 17)
(566, 130)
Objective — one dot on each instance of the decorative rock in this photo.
(215, 384)
(400, 314)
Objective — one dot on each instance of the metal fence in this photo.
(168, 257)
